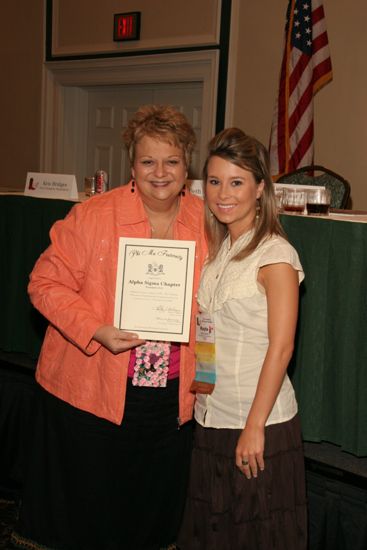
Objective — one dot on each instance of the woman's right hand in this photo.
(116, 340)
(250, 450)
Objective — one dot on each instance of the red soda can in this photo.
(101, 181)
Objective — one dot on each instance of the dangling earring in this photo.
(258, 200)
(183, 190)
(258, 208)
(132, 186)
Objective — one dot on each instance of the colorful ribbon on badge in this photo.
(205, 349)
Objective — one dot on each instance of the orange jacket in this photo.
(73, 286)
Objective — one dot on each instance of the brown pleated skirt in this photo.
(227, 511)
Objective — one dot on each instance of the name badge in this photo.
(205, 349)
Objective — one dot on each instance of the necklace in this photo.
(165, 233)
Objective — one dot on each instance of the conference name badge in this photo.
(205, 349)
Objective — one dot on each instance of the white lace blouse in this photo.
(229, 291)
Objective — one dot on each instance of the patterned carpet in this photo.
(8, 515)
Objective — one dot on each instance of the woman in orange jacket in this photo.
(108, 468)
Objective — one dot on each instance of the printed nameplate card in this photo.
(51, 186)
(196, 187)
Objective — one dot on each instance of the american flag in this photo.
(306, 67)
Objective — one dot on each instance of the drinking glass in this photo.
(89, 186)
(318, 202)
(294, 201)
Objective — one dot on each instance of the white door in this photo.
(109, 109)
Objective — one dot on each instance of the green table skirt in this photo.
(24, 233)
(329, 366)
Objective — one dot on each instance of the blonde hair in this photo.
(233, 145)
(163, 122)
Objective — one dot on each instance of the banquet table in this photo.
(329, 365)
(24, 233)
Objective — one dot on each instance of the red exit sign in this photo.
(126, 26)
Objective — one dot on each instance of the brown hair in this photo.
(233, 145)
(163, 122)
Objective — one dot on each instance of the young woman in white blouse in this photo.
(247, 488)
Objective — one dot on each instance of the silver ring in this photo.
(244, 462)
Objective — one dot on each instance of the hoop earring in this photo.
(132, 186)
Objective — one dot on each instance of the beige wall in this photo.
(21, 55)
(340, 121)
(340, 107)
(86, 26)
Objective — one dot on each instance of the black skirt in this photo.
(92, 485)
(225, 510)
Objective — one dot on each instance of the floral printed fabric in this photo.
(151, 365)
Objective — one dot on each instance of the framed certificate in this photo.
(154, 288)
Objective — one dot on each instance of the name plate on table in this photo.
(154, 288)
(196, 187)
(51, 186)
(297, 186)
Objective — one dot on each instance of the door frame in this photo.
(64, 101)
